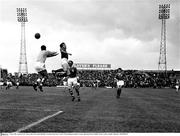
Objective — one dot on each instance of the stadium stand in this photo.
(105, 78)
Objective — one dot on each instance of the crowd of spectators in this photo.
(106, 78)
(132, 78)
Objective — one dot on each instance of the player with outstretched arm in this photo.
(41, 68)
(64, 71)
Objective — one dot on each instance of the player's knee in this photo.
(65, 67)
(69, 86)
(77, 86)
(38, 80)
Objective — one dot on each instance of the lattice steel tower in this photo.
(164, 13)
(22, 18)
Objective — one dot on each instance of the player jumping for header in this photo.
(64, 71)
(40, 66)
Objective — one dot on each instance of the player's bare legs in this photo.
(43, 76)
(119, 88)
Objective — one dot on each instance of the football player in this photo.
(64, 62)
(119, 81)
(177, 86)
(73, 81)
(41, 68)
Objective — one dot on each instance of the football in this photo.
(37, 35)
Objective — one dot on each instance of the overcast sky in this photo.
(123, 33)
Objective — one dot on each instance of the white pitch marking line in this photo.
(37, 122)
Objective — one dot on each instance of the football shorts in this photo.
(120, 83)
(1, 83)
(39, 66)
(64, 63)
(72, 82)
(65, 83)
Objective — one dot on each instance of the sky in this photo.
(123, 33)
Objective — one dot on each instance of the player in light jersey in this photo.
(119, 82)
(41, 68)
(73, 81)
(64, 71)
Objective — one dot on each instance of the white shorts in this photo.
(72, 82)
(64, 83)
(1, 83)
(177, 86)
(38, 80)
(120, 83)
(78, 84)
(9, 83)
(64, 63)
(39, 66)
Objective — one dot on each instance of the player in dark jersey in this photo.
(64, 71)
(177, 86)
(73, 81)
(17, 83)
(119, 81)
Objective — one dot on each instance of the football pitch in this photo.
(138, 110)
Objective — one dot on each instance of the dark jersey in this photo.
(73, 72)
(64, 55)
(119, 76)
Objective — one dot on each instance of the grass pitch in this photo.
(138, 110)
